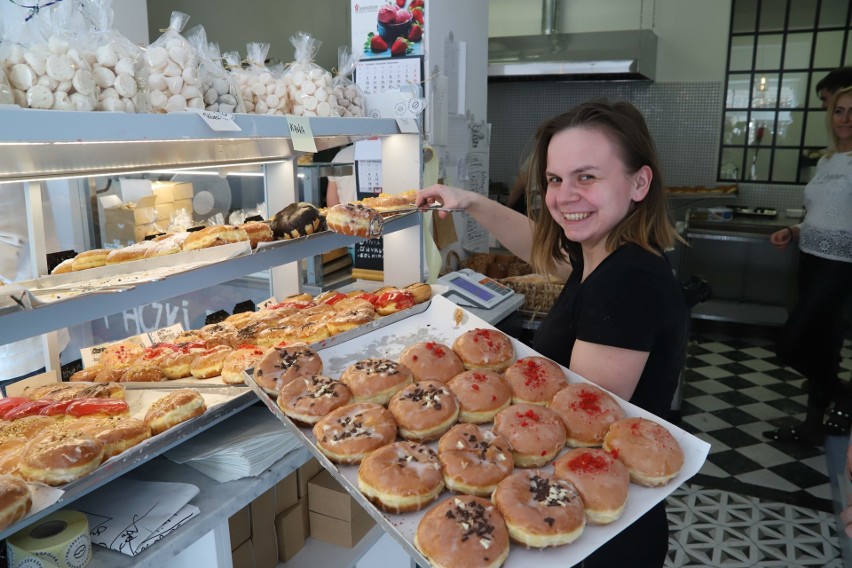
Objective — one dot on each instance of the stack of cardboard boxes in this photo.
(309, 502)
(126, 223)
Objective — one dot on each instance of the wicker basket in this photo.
(539, 291)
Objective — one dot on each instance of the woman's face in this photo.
(588, 189)
(841, 122)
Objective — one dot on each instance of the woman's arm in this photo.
(513, 230)
(331, 195)
(616, 369)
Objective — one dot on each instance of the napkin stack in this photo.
(243, 446)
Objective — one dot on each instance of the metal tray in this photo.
(437, 324)
(144, 452)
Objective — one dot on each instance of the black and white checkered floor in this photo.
(755, 502)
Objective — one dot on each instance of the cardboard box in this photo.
(127, 226)
(263, 530)
(309, 469)
(286, 493)
(169, 192)
(340, 532)
(243, 556)
(290, 530)
(185, 204)
(239, 527)
(327, 497)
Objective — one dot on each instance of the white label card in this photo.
(218, 121)
(301, 133)
(407, 125)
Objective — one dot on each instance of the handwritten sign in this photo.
(218, 121)
(369, 255)
(301, 133)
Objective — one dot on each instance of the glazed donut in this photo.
(105, 390)
(296, 220)
(284, 364)
(355, 220)
(28, 408)
(27, 427)
(353, 303)
(90, 259)
(239, 320)
(350, 319)
(587, 411)
(156, 354)
(312, 314)
(474, 459)
(243, 358)
(190, 336)
(119, 355)
(10, 455)
(393, 301)
(540, 510)
(350, 433)
(138, 372)
(176, 407)
(306, 400)
(221, 333)
(430, 361)
(486, 349)
(463, 531)
(214, 236)
(209, 363)
(330, 297)
(178, 364)
(401, 477)
(651, 454)
(277, 335)
(56, 457)
(164, 245)
(387, 202)
(63, 267)
(109, 375)
(601, 479)
(11, 402)
(424, 410)
(116, 433)
(80, 407)
(535, 432)
(15, 500)
(375, 380)
(136, 251)
(421, 291)
(534, 380)
(481, 395)
(310, 332)
(56, 408)
(258, 232)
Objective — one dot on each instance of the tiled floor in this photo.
(755, 502)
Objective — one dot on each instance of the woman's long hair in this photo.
(833, 140)
(647, 223)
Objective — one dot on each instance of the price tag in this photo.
(407, 125)
(301, 134)
(218, 121)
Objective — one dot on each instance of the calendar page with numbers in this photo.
(380, 75)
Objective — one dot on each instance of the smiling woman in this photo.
(621, 319)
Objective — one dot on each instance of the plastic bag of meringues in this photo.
(262, 89)
(309, 85)
(43, 57)
(174, 70)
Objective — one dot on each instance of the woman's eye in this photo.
(551, 180)
(585, 178)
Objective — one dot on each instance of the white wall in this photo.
(692, 34)
(131, 19)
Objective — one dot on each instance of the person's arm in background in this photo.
(782, 237)
(331, 195)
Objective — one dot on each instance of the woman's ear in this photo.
(641, 183)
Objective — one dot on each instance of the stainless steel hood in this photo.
(590, 56)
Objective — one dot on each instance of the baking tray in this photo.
(437, 323)
(222, 403)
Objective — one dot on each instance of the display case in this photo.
(36, 146)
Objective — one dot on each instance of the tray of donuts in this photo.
(73, 436)
(218, 353)
(472, 450)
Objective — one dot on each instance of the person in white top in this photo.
(342, 189)
(813, 335)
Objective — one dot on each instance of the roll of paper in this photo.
(59, 540)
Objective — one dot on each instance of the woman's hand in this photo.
(448, 197)
(782, 237)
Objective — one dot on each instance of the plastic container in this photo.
(719, 214)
